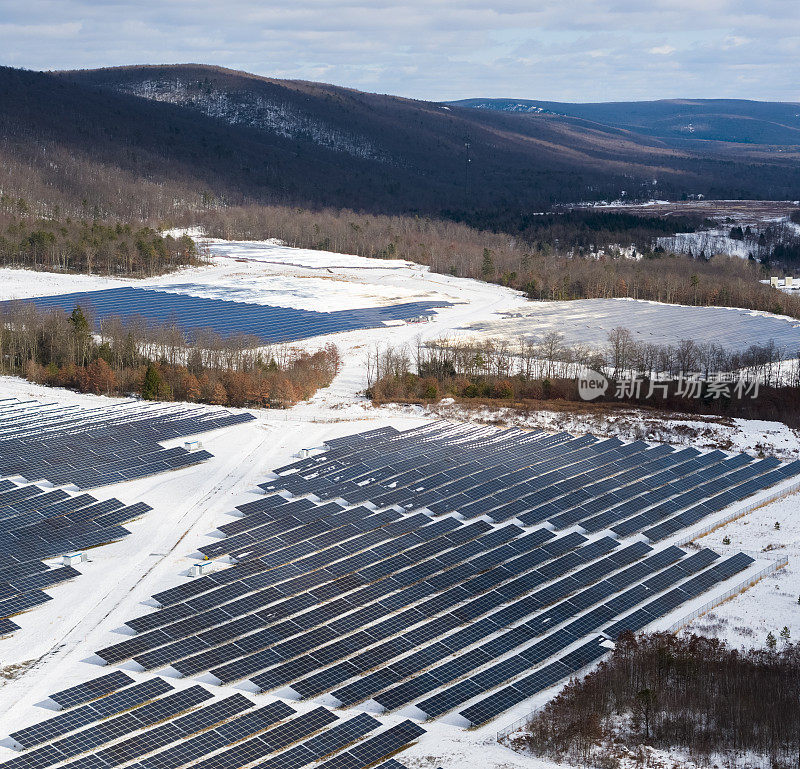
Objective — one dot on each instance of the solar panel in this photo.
(266, 324)
(372, 750)
(91, 690)
(397, 606)
(85, 714)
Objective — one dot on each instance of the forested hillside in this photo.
(93, 163)
(148, 142)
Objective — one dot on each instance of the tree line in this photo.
(577, 255)
(157, 362)
(672, 692)
(88, 246)
(66, 138)
(525, 373)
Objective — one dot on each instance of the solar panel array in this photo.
(359, 594)
(38, 523)
(91, 447)
(535, 478)
(152, 725)
(367, 573)
(267, 324)
(87, 448)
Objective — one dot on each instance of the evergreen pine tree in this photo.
(81, 333)
(152, 383)
(487, 268)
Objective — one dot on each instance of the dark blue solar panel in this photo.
(191, 313)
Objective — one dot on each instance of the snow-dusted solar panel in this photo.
(588, 322)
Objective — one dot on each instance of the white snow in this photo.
(243, 108)
(773, 603)
(55, 645)
(709, 243)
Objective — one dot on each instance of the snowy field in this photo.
(54, 645)
(270, 273)
(264, 273)
(772, 604)
(53, 649)
(588, 322)
(707, 243)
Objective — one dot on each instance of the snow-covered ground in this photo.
(274, 274)
(53, 650)
(772, 604)
(270, 273)
(707, 243)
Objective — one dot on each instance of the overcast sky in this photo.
(567, 50)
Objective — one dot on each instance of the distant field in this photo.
(743, 211)
(588, 321)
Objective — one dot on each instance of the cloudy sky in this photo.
(568, 50)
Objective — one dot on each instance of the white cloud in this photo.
(583, 50)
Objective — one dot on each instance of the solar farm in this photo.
(78, 448)
(88, 448)
(266, 324)
(337, 585)
(589, 321)
(443, 574)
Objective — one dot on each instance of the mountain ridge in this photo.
(153, 139)
(741, 121)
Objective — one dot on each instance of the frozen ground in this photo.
(774, 603)
(708, 243)
(270, 273)
(53, 648)
(267, 273)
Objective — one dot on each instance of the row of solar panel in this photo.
(242, 624)
(557, 479)
(37, 524)
(91, 449)
(87, 447)
(114, 721)
(266, 324)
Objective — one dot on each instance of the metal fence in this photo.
(738, 512)
(778, 563)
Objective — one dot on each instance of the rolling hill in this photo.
(148, 141)
(717, 120)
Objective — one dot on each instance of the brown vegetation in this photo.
(689, 693)
(552, 258)
(531, 376)
(157, 363)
